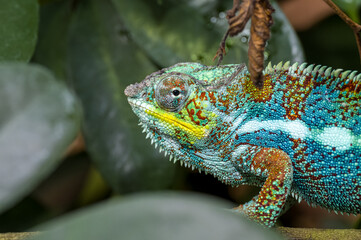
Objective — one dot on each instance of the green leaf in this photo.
(51, 48)
(162, 217)
(18, 29)
(351, 8)
(170, 32)
(178, 31)
(39, 118)
(103, 62)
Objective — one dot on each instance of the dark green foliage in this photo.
(39, 119)
(159, 216)
(102, 64)
(19, 25)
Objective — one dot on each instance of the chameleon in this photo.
(298, 138)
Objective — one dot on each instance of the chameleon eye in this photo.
(171, 93)
(176, 92)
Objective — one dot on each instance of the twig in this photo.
(358, 42)
(354, 26)
(222, 49)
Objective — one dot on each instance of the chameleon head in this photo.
(168, 107)
(172, 109)
(188, 110)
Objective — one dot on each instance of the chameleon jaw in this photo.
(172, 149)
(162, 116)
(169, 152)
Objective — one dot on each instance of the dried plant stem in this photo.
(260, 13)
(260, 33)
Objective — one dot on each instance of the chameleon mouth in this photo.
(173, 157)
(197, 131)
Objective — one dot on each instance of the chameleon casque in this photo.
(297, 138)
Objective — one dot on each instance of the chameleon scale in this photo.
(297, 138)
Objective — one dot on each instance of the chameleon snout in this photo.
(132, 90)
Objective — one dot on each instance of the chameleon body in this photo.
(297, 138)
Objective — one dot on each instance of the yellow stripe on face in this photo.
(197, 131)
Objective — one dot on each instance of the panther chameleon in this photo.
(299, 137)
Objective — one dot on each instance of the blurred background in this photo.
(99, 47)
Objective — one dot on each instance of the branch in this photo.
(313, 233)
(289, 233)
(354, 26)
(17, 236)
